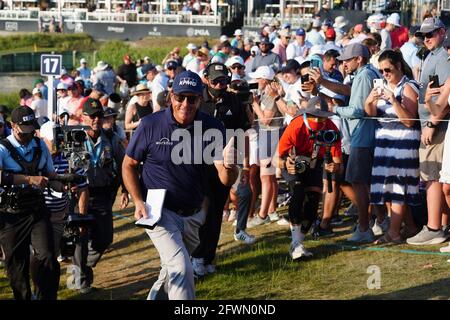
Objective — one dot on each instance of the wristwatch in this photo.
(430, 124)
(277, 98)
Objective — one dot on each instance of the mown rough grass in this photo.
(10, 100)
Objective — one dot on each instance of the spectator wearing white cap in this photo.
(39, 104)
(238, 41)
(62, 97)
(223, 38)
(270, 121)
(391, 23)
(399, 36)
(236, 65)
(339, 26)
(281, 46)
(299, 47)
(192, 50)
(254, 51)
(85, 72)
(314, 36)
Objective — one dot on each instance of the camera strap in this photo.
(94, 152)
(316, 146)
(28, 167)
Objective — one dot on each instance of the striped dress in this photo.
(395, 171)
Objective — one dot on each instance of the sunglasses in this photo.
(172, 68)
(430, 34)
(190, 99)
(222, 81)
(385, 70)
(238, 67)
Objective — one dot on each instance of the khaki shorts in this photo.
(431, 157)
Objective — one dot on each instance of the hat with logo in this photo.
(24, 117)
(216, 70)
(140, 89)
(263, 72)
(267, 42)
(300, 32)
(354, 50)
(171, 65)
(429, 25)
(188, 82)
(36, 91)
(92, 106)
(291, 64)
(316, 107)
(234, 60)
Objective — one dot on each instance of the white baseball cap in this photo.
(191, 46)
(83, 60)
(263, 72)
(36, 90)
(394, 19)
(61, 86)
(317, 49)
(233, 60)
(223, 38)
(255, 49)
(238, 32)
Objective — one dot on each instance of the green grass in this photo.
(265, 271)
(10, 100)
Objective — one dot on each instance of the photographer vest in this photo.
(22, 199)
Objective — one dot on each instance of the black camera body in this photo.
(71, 234)
(69, 140)
(301, 164)
(242, 90)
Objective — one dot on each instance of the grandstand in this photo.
(135, 19)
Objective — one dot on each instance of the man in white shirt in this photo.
(192, 48)
(313, 36)
(39, 104)
(299, 47)
(410, 48)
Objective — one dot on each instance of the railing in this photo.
(296, 21)
(129, 16)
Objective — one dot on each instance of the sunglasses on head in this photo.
(385, 70)
(181, 98)
(238, 66)
(220, 80)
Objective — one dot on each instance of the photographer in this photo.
(26, 166)
(307, 140)
(56, 200)
(105, 156)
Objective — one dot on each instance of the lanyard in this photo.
(96, 153)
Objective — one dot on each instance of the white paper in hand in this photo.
(153, 205)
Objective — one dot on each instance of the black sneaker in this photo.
(318, 232)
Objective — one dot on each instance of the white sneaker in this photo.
(298, 250)
(244, 237)
(274, 217)
(210, 268)
(198, 265)
(257, 221)
(445, 249)
(232, 216)
(283, 222)
(381, 228)
(426, 237)
(359, 236)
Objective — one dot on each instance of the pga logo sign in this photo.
(191, 32)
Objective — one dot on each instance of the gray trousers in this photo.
(175, 237)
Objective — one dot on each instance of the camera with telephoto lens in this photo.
(71, 233)
(327, 136)
(69, 140)
(301, 164)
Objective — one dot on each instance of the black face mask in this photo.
(26, 137)
(216, 93)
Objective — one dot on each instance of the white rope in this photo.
(372, 118)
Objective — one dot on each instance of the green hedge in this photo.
(61, 42)
(11, 100)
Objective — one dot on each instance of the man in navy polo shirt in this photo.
(176, 234)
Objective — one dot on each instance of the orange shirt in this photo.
(297, 135)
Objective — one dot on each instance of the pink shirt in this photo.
(280, 51)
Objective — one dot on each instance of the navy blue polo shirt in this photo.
(152, 144)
